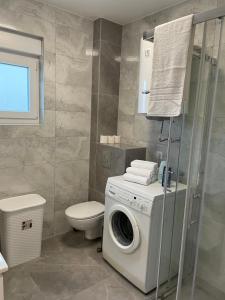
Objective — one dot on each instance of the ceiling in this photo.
(119, 11)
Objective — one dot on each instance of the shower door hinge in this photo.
(197, 196)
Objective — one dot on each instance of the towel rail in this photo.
(197, 18)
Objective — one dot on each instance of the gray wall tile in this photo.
(75, 72)
(67, 42)
(105, 91)
(32, 8)
(111, 32)
(30, 24)
(70, 98)
(72, 173)
(110, 69)
(107, 115)
(72, 123)
(32, 158)
(45, 129)
(72, 148)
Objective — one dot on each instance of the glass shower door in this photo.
(197, 231)
(191, 162)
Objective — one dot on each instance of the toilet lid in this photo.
(85, 210)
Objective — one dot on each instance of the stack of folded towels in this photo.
(142, 172)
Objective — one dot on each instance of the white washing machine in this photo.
(132, 224)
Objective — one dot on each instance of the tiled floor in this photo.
(69, 269)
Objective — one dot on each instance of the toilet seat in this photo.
(86, 210)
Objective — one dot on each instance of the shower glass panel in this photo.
(200, 171)
(178, 160)
(172, 212)
(197, 234)
(206, 86)
(209, 279)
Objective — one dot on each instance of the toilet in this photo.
(88, 217)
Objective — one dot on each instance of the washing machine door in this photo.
(123, 229)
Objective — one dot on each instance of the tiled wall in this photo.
(133, 127)
(52, 159)
(105, 90)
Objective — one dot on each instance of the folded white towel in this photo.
(137, 179)
(141, 172)
(149, 165)
(173, 43)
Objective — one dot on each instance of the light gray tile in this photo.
(74, 41)
(30, 24)
(97, 30)
(39, 150)
(13, 182)
(94, 117)
(49, 66)
(30, 7)
(61, 224)
(68, 195)
(70, 98)
(96, 67)
(128, 101)
(130, 45)
(45, 129)
(200, 5)
(27, 153)
(48, 221)
(49, 95)
(19, 151)
(179, 10)
(95, 195)
(109, 289)
(111, 32)
(107, 115)
(72, 173)
(129, 72)
(71, 148)
(12, 153)
(109, 69)
(72, 123)
(39, 177)
(17, 287)
(73, 20)
(92, 165)
(68, 280)
(75, 72)
(146, 130)
(126, 127)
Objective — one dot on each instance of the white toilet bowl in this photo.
(87, 217)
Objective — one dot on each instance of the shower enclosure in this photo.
(196, 152)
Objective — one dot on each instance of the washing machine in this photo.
(132, 226)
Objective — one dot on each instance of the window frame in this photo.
(31, 117)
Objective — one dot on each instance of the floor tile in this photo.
(70, 268)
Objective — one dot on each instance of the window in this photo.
(19, 89)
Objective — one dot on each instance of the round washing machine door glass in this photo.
(123, 229)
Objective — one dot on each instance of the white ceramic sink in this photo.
(3, 269)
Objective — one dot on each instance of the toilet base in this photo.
(93, 233)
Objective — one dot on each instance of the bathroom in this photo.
(89, 67)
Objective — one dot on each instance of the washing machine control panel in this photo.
(132, 200)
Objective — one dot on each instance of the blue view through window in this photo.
(14, 88)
